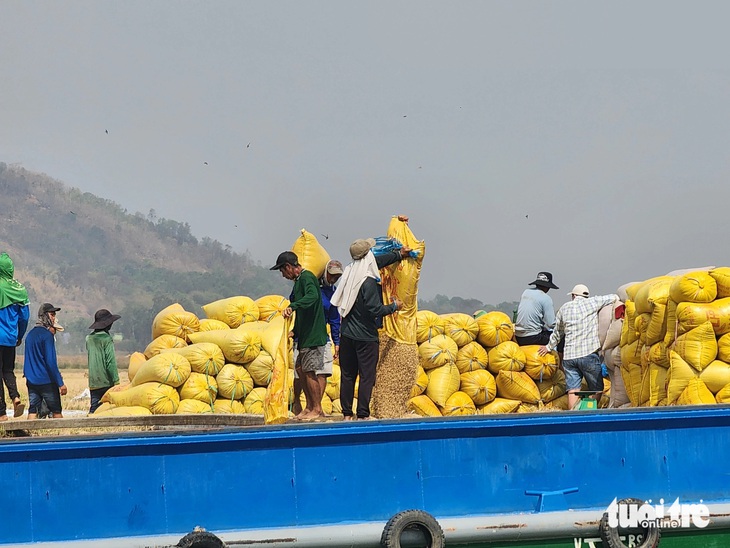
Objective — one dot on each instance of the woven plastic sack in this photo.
(628, 331)
(238, 345)
(167, 368)
(136, 359)
(209, 324)
(228, 407)
(423, 406)
(680, 373)
(160, 399)
(199, 387)
(696, 393)
(494, 328)
(439, 351)
(723, 396)
(697, 347)
(194, 407)
(332, 387)
(723, 348)
(460, 327)
(233, 311)
(552, 388)
(254, 402)
(458, 404)
(498, 406)
(721, 276)
(539, 367)
(124, 411)
(479, 385)
(695, 287)
(657, 355)
(656, 381)
(204, 357)
(278, 394)
(517, 385)
(176, 322)
(442, 383)
(471, 357)
(261, 369)
(631, 353)
(691, 315)
(234, 382)
(631, 376)
(716, 376)
(560, 403)
(312, 256)
(419, 387)
(653, 291)
(163, 342)
(428, 325)
(507, 356)
(271, 305)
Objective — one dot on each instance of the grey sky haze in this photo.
(585, 138)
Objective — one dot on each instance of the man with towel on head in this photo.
(359, 299)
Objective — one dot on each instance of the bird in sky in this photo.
(248, 145)
(72, 213)
(326, 237)
(526, 216)
(106, 131)
(206, 163)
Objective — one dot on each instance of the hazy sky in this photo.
(585, 138)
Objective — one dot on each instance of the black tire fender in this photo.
(200, 539)
(412, 520)
(611, 537)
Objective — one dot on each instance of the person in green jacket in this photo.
(103, 373)
(310, 329)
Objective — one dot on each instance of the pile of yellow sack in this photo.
(470, 365)
(675, 341)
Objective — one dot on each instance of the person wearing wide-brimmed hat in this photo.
(536, 312)
(103, 372)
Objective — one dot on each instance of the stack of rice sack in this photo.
(610, 326)
(470, 365)
(675, 344)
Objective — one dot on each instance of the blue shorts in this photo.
(39, 392)
(589, 367)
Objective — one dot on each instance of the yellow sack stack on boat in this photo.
(423, 406)
(680, 373)
(696, 393)
(479, 385)
(517, 385)
(160, 399)
(428, 324)
(716, 376)
(209, 324)
(419, 387)
(166, 367)
(271, 305)
(312, 256)
(194, 407)
(695, 287)
(261, 369)
(691, 315)
(238, 345)
(254, 402)
(498, 406)
(233, 311)
(175, 320)
(471, 357)
(136, 359)
(507, 356)
(539, 367)
(199, 387)
(494, 328)
(439, 351)
(460, 327)
(458, 404)
(228, 407)
(204, 357)
(234, 382)
(442, 383)
(163, 342)
(553, 387)
(697, 347)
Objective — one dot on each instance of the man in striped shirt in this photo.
(577, 321)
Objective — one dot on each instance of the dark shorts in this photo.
(589, 367)
(311, 360)
(40, 392)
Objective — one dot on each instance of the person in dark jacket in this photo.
(360, 303)
(42, 376)
(14, 314)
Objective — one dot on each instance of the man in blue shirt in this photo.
(536, 312)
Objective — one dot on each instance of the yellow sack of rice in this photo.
(517, 385)
(228, 407)
(136, 359)
(234, 382)
(166, 367)
(170, 309)
(159, 398)
(209, 324)
(697, 347)
(716, 376)
(494, 328)
(175, 322)
(498, 406)
(696, 393)
(459, 404)
(558, 404)
(655, 290)
(631, 353)
(641, 323)
(471, 357)
(631, 375)
(118, 388)
(428, 324)
(106, 406)
(312, 256)
(194, 407)
(655, 379)
(279, 393)
(421, 382)
(680, 373)
(658, 355)
(332, 386)
(124, 411)
(721, 276)
(529, 408)
(671, 327)
(443, 381)
(695, 287)
(204, 357)
(657, 326)
(553, 387)
(423, 406)
(723, 348)
(460, 327)
(271, 305)
(507, 356)
(261, 369)
(163, 342)
(233, 311)
(723, 396)
(537, 366)
(628, 329)
(238, 345)
(439, 351)
(199, 387)
(254, 402)
(479, 385)
(691, 315)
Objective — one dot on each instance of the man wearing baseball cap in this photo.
(536, 312)
(577, 322)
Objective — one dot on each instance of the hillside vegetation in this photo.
(82, 252)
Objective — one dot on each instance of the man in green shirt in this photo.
(103, 372)
(310, 329)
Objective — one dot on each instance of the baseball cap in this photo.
(285, 258)
(360, 248)
(580, 290)
(334, 268)
(45, 309)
